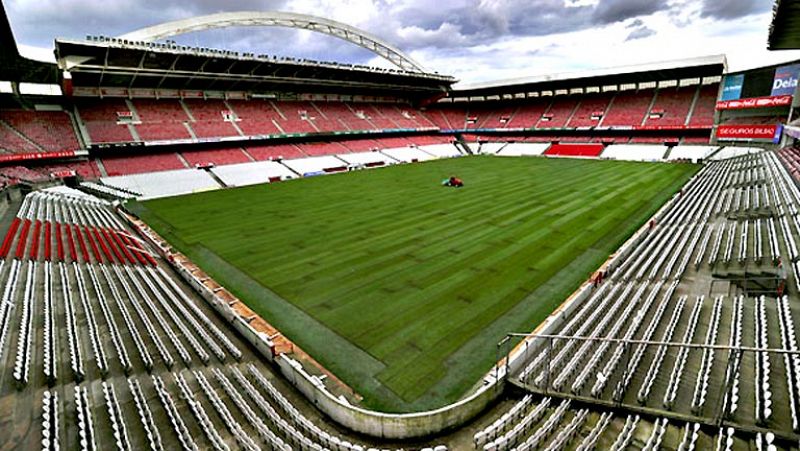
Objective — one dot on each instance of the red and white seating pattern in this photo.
(215, 156)
(49, 130)
(135, 164)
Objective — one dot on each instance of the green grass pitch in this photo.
(402, 287)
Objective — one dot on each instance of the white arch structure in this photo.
(279, 19)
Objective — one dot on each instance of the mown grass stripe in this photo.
(420, 278)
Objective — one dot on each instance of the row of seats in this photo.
(733, 373)
(111, 120)
(633, 328)
(120, 314)
(116, 417)
(763, 392)
(36, 131)
(791, 361)
(125, 278)
(106, 120)
(22, 363)
(691, 106)
(83, 411)
(50, 429)
(146, 162)
(751, 184)
(175, 416)
(707, 361)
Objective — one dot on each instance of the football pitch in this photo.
(402, 287)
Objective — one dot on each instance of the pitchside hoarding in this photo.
(732, 87)
(785, 81)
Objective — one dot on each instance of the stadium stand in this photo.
(215, 156)
(209, 118)
(489, 148)
(520, 149)
(161, 120)
(366, 159)
(51, 131)
(407, 154)
(105, 304)
(163, 131)
(101, 120)
(574, 150)
(16, 174)
(136, 164)
(404, 116)
(314, 149)
(671, 107)
(263, 153)
(256, 117)
(316, 165)
(704, 107)
(11, 141)
(448, 117)
(297, 116)
(692, 140)
(360, 145)
(628, 108)
(590, 111)
(634, 152)
(693, 153)
(441, 150)
(252, 173)
(528, 114)
(559, 112)
(164, 183)
(87, 169)
(349, 118)
(731, 152)
(424, 140)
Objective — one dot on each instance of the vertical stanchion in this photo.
(547, 372)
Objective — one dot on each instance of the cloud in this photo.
(640, 33)
(471, 39)
(733, 9)
(612, 11)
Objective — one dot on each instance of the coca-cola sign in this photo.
(755, 102)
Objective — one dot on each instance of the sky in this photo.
(473, 40)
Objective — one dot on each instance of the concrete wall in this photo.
(384, 425)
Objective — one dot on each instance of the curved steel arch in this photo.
(279, 19)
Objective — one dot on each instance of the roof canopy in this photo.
(707, 66)
(119, 63)
(340, 30)
(784, 32)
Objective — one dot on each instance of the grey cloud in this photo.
(636, 23)
(38, 23)
(733, 9)
(640, 33)
(612, 11)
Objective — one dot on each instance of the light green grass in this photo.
(402, 287)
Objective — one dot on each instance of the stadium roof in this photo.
(706, 66)
(118, 63)
(784, 32)
(330, 27)
(14, 67)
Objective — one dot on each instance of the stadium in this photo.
(212, 249)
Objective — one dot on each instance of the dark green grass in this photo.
(402, 287)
